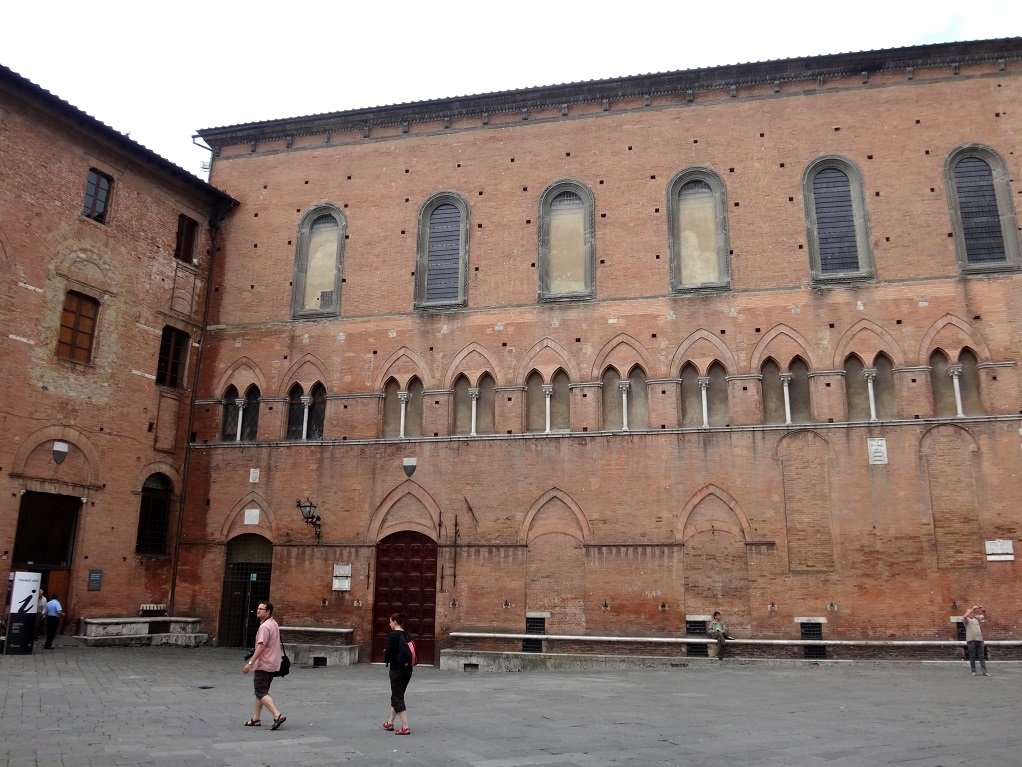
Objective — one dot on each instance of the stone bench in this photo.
(333, 648)
(137, 632)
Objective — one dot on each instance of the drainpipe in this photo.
(218, 214)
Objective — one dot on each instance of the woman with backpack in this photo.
(400, 659)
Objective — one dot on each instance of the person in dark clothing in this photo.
(400, 674)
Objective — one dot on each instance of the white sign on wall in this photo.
(877, 447)
(1000, 551)
(342, 576)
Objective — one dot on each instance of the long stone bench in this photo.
(137, 632)
(333, 649)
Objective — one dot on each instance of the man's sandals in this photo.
(278, 721)
(253, 723)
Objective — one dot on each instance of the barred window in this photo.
(154, 515)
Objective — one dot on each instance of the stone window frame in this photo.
(543, 241)
(1005, 208)
(304, 233)
(83, 296)
(422, 250)
(863, 246)
(716, 184)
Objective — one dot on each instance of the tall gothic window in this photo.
(318, 260)
(566, 247)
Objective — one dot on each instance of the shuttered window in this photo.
(982, 208)
(443, 273)
(835, 222)
(442, 257)
(77, 327)
(173, 359)
(977, 205)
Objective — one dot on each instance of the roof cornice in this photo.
(648, 86)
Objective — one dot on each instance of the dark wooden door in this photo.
(406, 583)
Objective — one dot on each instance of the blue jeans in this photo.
(977, 651)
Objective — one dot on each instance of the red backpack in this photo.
(408, 655)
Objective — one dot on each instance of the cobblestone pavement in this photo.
(102, 707)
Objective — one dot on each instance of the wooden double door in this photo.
(406, 582)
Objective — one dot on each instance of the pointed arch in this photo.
(422, 516)
(243, 372)
(67, 434)
(625, 351)
(689, 345)
(740, 526)
(402, 365)
(866, 338)
(306, 370)
(464, 362)
(579, 529)
(951, 334)
(783, 343)
(546, 348)
(234, 521)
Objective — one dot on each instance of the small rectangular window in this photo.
(77, 327)
(184, 250)
(97, 196)
(170, 368)
(534, 626)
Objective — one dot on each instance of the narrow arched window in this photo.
(462, 406)
(637, 405)
(391, 409)
(969, 383)
(691, 397)
(717, 396)
(317, 412)
(535, 403)
(836, 222)
(856, 389)
(560, 402)
(486, 405)
(231, 415)
(154, 515)
(698, 231)
(317, 272)
(250, 415)
(774, 410)
(982, 211)
(612, 417)
(798, 391)
(942, 385)
(566, 252)
(296, 412)
(413, 411)
(886, 406)
(442, 251)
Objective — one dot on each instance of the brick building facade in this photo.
(603, 358)
(741, 338)
(104, 254)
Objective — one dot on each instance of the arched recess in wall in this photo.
(250, 515)
(402, 365)
(715, 530)
(805, 459)
(242, 373)
(546, 356)
(306, 370)
(555, 530)
(407, 507)
(79, 470)
(623, 351)
(248, 572)
(948, 456)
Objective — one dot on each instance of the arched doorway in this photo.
(406, 583)
(246, 584)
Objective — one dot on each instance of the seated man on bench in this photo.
(717, 630)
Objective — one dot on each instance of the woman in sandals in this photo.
(397, 657)
(265, 660)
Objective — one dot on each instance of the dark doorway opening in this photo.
(246, 584)
(44, 540)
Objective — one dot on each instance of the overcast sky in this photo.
(160, 70)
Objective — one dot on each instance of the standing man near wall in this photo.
(974, 619)
(54, 612)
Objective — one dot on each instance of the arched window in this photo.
(612, 416)
(250, 415)
(698, 239)
(317, 272)
(883, 387)
(317, 412)
(462, 406)
(535, 403)
(691, 397)
(968, 383)
(296, 412)
(836, 223)
(154, 515)
(231, 419)
(413, 410)
(941, 385)
(442, 257)
(560, 402)
(566, 249)
(717, 396)
(638, 406)
(774, 410)
(486, 405)
(391, 409)
(856, 389)
(798, 391)
(982, 211)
